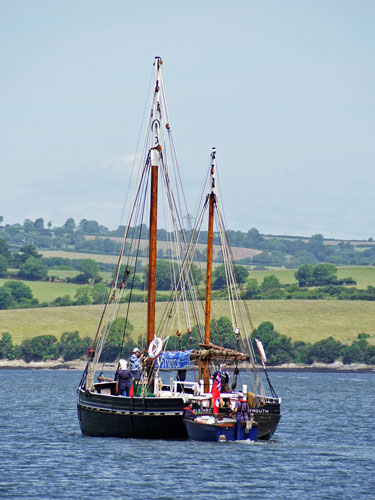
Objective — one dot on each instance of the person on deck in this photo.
(123, 379)
(241, 409)
(225, 376)
(135, 364)
(188, 413)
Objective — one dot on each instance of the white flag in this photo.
(261, 350)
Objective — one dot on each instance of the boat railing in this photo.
(185, 386)
(272, 400)
(107, 387)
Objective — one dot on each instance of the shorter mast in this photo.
(212, 202)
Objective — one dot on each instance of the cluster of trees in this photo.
(70, 346)
(27, 261)
(320, 275)
(45, 347)
(15, 294)
(219, 280)
(221, 333)
(280, 348)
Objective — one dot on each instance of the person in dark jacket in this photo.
(123, 379)
(225, 376)
(188, 413)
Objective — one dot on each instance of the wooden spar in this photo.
(152, 255)
(209, 267)
(155, 161)
(212, 200)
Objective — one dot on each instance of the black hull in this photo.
(114, 416)
(104, 415)
(267, 419)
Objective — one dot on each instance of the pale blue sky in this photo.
(283, 89)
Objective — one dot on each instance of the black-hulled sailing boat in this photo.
(156, 408)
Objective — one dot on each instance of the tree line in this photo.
(279, 348)
(274, 251)
(70, 346)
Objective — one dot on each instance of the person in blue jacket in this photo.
(135, 363)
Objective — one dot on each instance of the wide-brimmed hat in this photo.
(123, 364)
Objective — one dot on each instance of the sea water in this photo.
(324, 447)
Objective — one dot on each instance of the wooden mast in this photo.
(212, 202)
(155, 161)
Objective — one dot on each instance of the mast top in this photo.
(158, 61)
(213, 166)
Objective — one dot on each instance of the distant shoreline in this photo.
(79, 365)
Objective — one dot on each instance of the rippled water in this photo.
(323, 448)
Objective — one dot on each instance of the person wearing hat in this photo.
(123, 379)
(135, 364)
(188, 413)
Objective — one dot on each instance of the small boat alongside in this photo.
(221, 429)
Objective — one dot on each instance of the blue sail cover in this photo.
(174, 360)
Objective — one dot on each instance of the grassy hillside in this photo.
(300, 319)
(106, 259)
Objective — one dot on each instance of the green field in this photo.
(46, 291)
(364, 275)
(62, 274)
(307, 320)
(285, 276)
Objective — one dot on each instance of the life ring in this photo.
(155, 348)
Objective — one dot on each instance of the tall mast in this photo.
(155, 162)
(212, 202)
